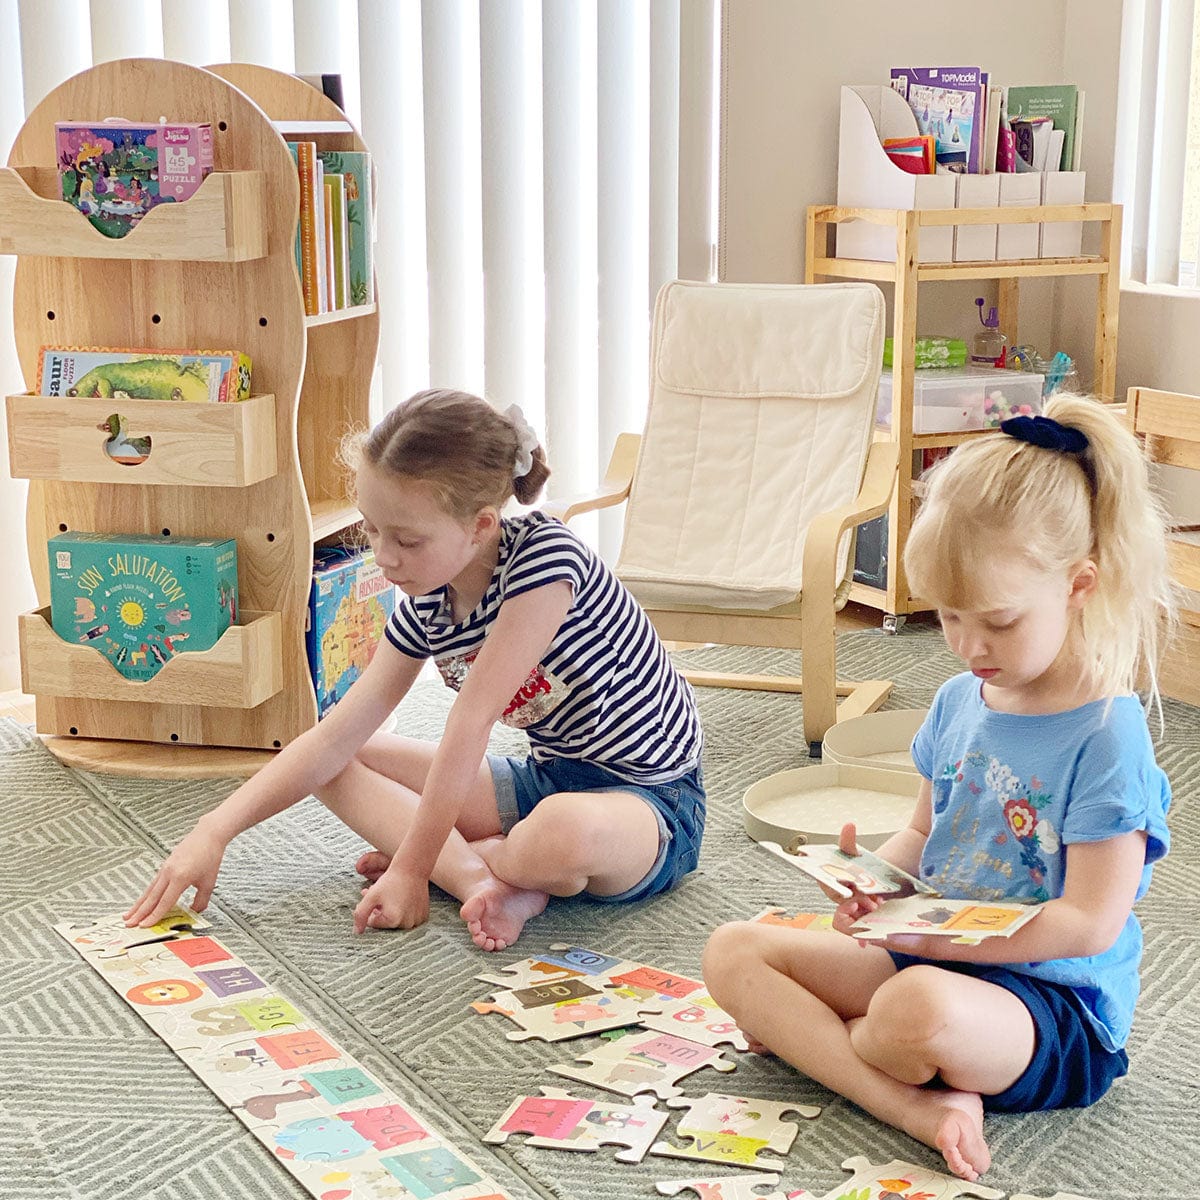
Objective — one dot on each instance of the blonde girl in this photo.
(529, 627)
(1044, 552)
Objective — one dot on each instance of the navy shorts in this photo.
(1071, 1067)
(678, 806)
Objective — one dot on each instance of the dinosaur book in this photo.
(195, 376)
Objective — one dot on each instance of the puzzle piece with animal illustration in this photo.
(698, 1018)
(845, 873)
(778, 916)
(739, 1187)
(568, 1008)
(966, 921)
(333, 1126)
(899, 1180)
(559, 1121)
(645, 1062)
(733, 1129)
(561, 961)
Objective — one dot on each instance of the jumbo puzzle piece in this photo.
(559, 1121)
(844, 873)
(902, 1180)
(803, 920)
(571, 1007)
(336, 1129)
(698, 1018)
(560, 962)
(645, 1062)
(966, 921)
(733, 1129)
(740, 1187)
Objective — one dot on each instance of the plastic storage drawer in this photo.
(947, 400)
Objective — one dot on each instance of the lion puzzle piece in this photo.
(904, 1179)
(733, 1129)
(742, 1187)
(559, 1121)
(646, 1062)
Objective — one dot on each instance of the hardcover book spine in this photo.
(306, 165)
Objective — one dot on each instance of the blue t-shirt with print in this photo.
(1010, 792)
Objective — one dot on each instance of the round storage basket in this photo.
(880, 739)
(815, 802)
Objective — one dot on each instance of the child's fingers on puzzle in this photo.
(848, 839)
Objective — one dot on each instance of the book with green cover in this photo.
(335, 198)
(1057, 101)
(355, 167)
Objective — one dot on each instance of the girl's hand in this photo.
(849, 912)
(193, 863)
(398, 899)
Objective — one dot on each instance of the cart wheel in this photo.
(814, 749)
(893, 622)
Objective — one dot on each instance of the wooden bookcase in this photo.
(215, 272)
(906, 273)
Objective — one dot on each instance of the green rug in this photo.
(93, 1105)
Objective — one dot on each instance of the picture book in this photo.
(1058, 101)
(965, 920)
(349, 605)
(305, 154)
(140, 600)
(335, 206)
(193, 376)
(948, 103)
(355, 168)
(846, 873)
(116, 171)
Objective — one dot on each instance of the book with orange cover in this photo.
(305, 154)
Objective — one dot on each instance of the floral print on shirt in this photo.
(991, 782)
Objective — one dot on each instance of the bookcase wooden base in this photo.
(154, 760)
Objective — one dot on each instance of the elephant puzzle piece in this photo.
(733, 1129)
(559, 1121)
(743, 1187)
(645, 1062)
(899, 1178)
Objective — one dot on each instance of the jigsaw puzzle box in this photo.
(140, 600)
(116, 171)
(349, 605)
(195, 376)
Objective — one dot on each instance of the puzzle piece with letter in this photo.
(698, 1018)
(844, 873)
(559, 1121)
(899, 1178)
(733, 1129)
(740, 1187)
(966, 921)
(561, 961)
(645, 1062)
(567, 1008)
(777, 916)
(335, 1128)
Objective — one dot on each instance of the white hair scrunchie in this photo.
(527, 441)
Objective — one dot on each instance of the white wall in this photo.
(784, 63)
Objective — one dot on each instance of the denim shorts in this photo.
(1070, 1068)
(678, 806)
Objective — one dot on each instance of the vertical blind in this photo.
(538, 180)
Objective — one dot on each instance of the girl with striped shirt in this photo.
(531, 629)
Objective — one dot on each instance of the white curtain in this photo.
(548, 166)
(1153, 113)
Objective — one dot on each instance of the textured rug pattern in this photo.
(94, 1106)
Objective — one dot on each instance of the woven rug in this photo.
(93, 1105)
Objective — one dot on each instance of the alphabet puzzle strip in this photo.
(733, 1129)
(559, 1121)
(336, 1129)
(645, 1062)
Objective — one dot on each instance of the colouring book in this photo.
(966, 921)
(842, 872)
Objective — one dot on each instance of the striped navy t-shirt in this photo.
(604, 692)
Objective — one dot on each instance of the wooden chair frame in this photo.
(808, 627)
(1169, 425)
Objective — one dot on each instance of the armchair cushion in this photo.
(762, 406)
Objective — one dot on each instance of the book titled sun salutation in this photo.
(140, 600)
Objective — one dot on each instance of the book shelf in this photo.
(217, 270)
(895, 600)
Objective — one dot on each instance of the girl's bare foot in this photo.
(952, 1123)
(757, 1047)
(373, 864)
(496, 912)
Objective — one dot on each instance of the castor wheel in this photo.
(814, 749)
(893, 622)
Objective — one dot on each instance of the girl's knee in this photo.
(730, 954)
(913, 1007)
